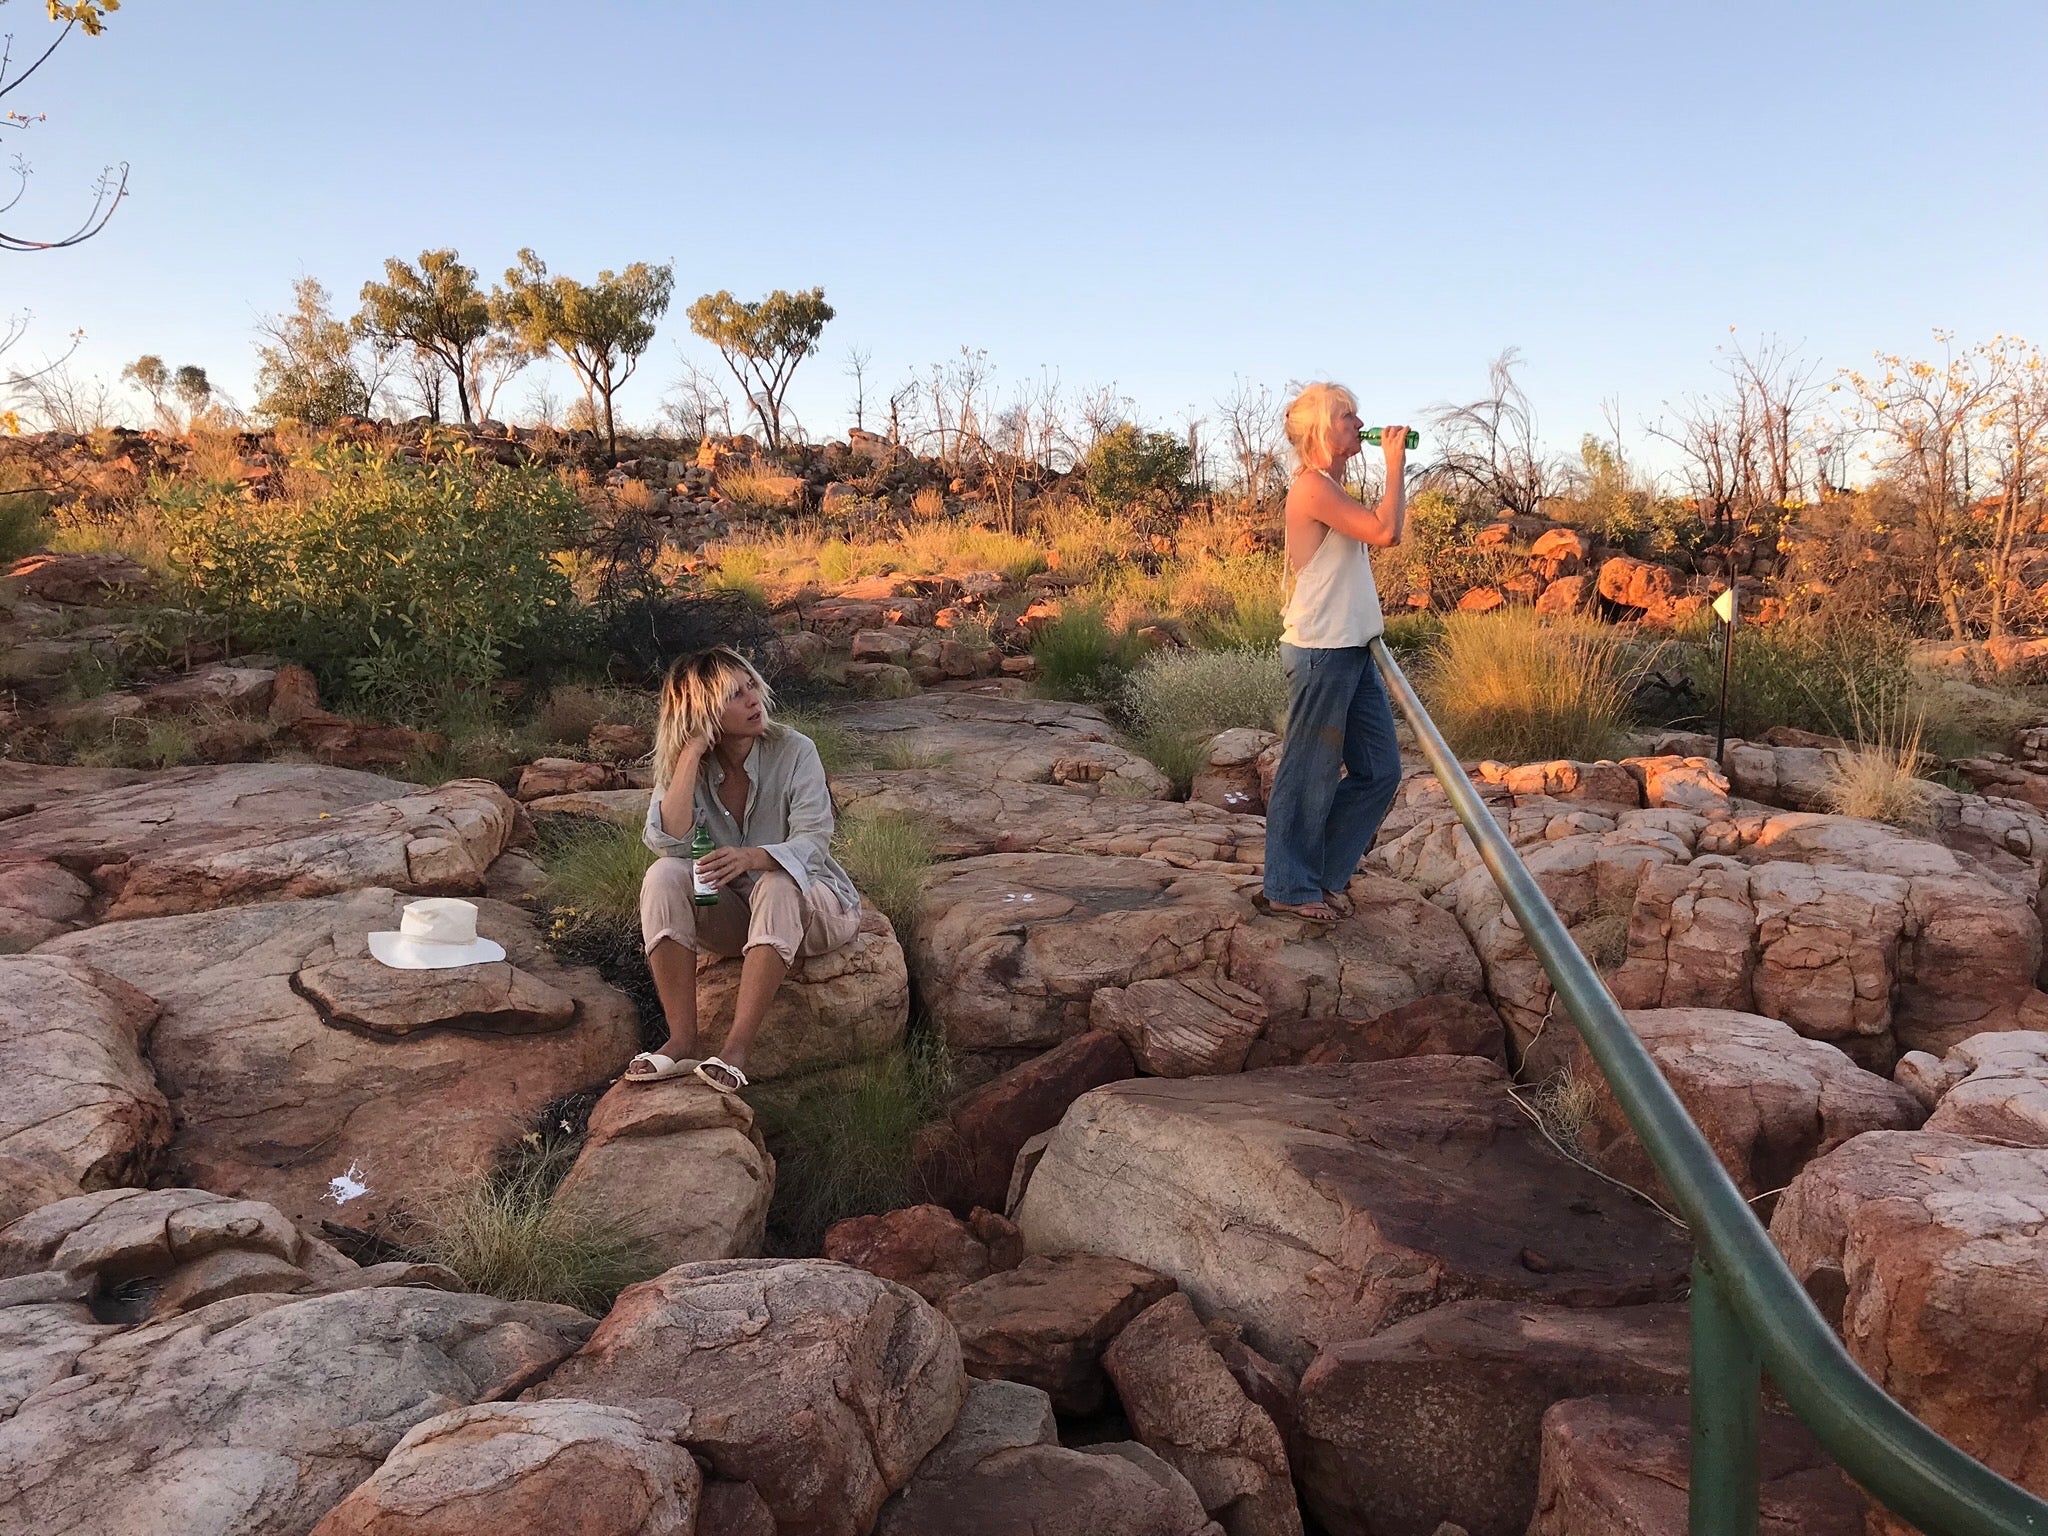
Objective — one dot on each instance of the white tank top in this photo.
(1333, 602)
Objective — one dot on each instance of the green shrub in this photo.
(1198, 693)
(508, 1236)
(1809, 673)
(23, 528)
(593, 871)
(1505, 685)
(1179, 757)
(1080, 657)
(392, 580)
(888, 856)
(842, 1141)
(1130, 467)
(1410, 635)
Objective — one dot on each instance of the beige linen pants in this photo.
(774, 912)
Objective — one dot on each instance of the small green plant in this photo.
(508, 1236)
(23, 527)
(1412, 635)
(843, 1144)
(1080, 657)
(839, 749)
(1813, 673)
(593, 871)
(1180, 757)
(1509, 686)
(888, 856)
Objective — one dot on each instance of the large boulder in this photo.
(926, 1247)
(1439, 1418)
(1994, 1087)
(1768, 1101)
(682, 1165)
(967, 815)
(1020, 951)
(1047, 1321)
(1184, 1403)
(39, 899)
(1316, 1204)
(254, 1416)
(833, 1009)
(541, 1467)
(1622, 1466)
(276, 1101)
(1931, 1252)
(821, 1385)
(79, 579)
(1034, 741)
(966, 1159)
(198, 838)
(76, 1092)
(1002, 1472)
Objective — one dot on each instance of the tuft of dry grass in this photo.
(889, 856)
(1511, 686)
(1879, 779)
(755, 488)
(928, 505)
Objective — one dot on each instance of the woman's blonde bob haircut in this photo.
(693, 696)
(1311, 421)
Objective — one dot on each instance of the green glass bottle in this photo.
(1374, 434)
(701, 844)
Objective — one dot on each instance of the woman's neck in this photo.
(732, 750)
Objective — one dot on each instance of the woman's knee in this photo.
(667, 877)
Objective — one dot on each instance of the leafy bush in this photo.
(648, 633)
(1198, 693)
(1130, 467)
(392, 580)
(842, 1142)
(1080, 657)
(23, 528)
(1810, 673)
(1504, 685)
(888, 856)
(508, 1236)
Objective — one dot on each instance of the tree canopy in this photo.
(436, 309)
(600, 329)
(89, 16)
(312, 370)
(762, 342)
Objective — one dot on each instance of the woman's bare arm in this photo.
(1380, 526)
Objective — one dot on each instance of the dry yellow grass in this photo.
(1879, 779)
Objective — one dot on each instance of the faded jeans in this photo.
(1318, 824)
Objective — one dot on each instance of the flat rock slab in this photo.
(39, 899)
(1016, 950)
(275, 1103)
(515, 1467)
(819, 1384)
(256, 1415)
(967, 815)
(496, 998)
(681, 1164)
(1439, 1418)
(76, 1091)
(1317, 1204)
(199, 838)
(25, 787)
(1621, 1466)
(1932, 1251)
(1031, 741)
(1046, 1322)
(622, 807)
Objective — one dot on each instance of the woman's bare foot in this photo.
(1310, 911)
(1339, 903)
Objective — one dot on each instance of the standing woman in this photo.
(1320, 824)
(758, 789)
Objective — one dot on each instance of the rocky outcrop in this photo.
(926, 1247)
(276, 1102)
(1429, 1026)
(682, 1165)
(76, 1092)
(966, 1159)
(1237, 771)
(1317, 1204)
(254, 1416)
(1047, 1321)
(78, 579)
(1768, 1101)
(1185, 1405)
(832, 1010)
(194, 839)
(1031, 741)
(1994, 1087)
(541, 1467)
(1928, 1250)
(1439, 1418)
(1621, 1466)
(821, 1385)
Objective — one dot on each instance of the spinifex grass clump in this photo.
(508, 1236)
(888, 856)
(593, 871)
(1080, 656)
(1879, 779)
(1176, 700)
(1509, 686)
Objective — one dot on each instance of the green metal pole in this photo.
(1727, 1392)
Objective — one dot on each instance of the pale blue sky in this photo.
(1162, 196)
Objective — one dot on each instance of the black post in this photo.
(1727, 667)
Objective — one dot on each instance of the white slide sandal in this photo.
(659, 1068)
(711, 1069)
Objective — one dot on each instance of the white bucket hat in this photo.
(433, 934)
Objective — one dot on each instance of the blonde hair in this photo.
(693, 695)
(1311, 415)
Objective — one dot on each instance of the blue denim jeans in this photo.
(1318, 824)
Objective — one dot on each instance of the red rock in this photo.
(619, 741)
(1567, 594)
(925, 1247)
(1482, 600)
(1443, 1025)
(965, 1160)
(78, 579)
(293, 696)
(348, 743)
(1046, 1322)
(564, 776)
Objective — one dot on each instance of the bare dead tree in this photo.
(1252, 438)
(112, 185)
(696, 404)
(1490, 445)
(857, 361)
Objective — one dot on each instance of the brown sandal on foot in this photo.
(1308, 911)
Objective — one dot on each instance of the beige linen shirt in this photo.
(788, 814)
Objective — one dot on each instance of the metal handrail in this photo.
(1748, 1309)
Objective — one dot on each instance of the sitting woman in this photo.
(758, 790)
(1339, 766)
